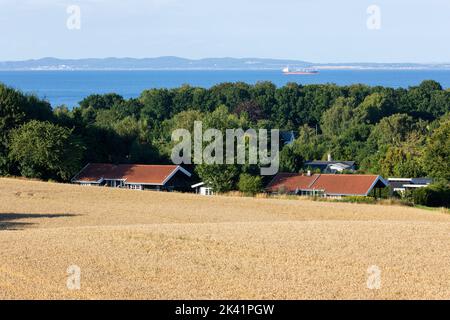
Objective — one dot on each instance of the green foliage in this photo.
(437, 195)
(374, 108)
(309, 144)
(157, 104)
(251, 110)
(402, 162)
(289, 160)
(44, 150)
(393, 132)
(15, 109)
(183, 120)
(428, 100)
(250, 185)
(221, 177)
(437, 152)
(98, 102)
(359, 199)
(336, 119)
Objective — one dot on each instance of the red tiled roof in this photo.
(144, 173)
(290, 182)
(345, 184)
(331, 184)
(131, 173)
(94, 172)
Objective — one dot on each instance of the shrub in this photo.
(437, 195)
(250, 185)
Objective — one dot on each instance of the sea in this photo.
(70, 87)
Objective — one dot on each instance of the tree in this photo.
(251, 109)
(230, 94)
(221, 177)
(287, 97)
(336, 119)
(289, 160)
(309, 145)
(263, 93)
(99, 101)
(183, 98)
(374, 108)
(157, 104)
(314, 101)
(427, 100)
(398, 162)
(127, 108)
(183, 120)
(44, 150)
(392, 130)
(37, 109)
(437, 152)
(15, 109)
(249, 184)
(11, 115)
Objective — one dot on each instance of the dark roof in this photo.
(400, 182)
(130, 173)
(331, 184)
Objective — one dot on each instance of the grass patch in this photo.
(442, 210)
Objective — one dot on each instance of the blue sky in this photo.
(312, 30)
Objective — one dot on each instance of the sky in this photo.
(310, 30)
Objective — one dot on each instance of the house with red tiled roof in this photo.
(326, 185)
(134, 176)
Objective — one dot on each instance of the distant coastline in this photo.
(211, 64)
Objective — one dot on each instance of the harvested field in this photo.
(145, 245)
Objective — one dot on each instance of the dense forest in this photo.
(392, 132)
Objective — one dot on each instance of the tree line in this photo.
(391, 132)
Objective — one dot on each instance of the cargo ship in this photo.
(289, 71)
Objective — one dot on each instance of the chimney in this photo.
(308, 174)
(329, 157)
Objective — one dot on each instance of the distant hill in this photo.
(176, 63)
(161, 63)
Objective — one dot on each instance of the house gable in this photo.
(129, 174)
(327, 184)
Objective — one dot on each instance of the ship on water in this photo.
(289, 71)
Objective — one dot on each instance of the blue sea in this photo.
(70, 87)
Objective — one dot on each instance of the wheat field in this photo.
(146, 245)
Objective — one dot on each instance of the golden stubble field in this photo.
(145, 245)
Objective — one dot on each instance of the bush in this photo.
(250, 185)
(437, 195)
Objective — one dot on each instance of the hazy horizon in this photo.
(228, 57)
